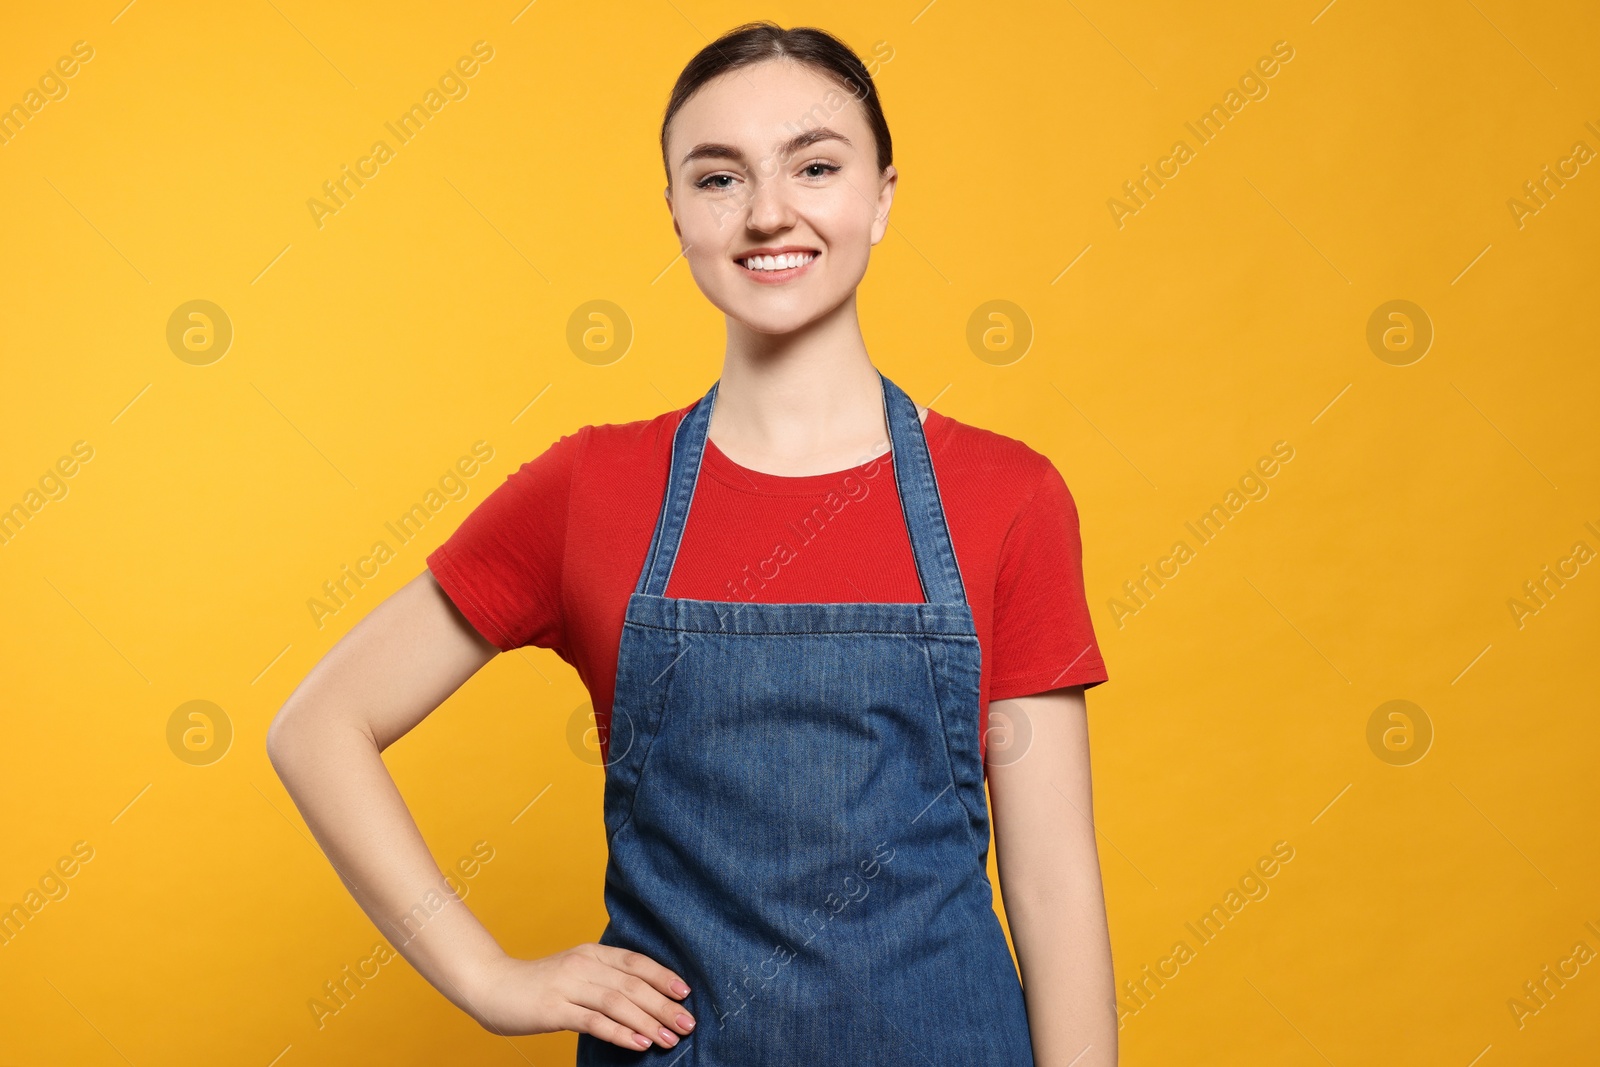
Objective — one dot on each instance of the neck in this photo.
(806, 402)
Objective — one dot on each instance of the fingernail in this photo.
(686, 1022)
(668, 1037)
(641, 1040)
(680, 989)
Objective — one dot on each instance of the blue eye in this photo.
(705, 182)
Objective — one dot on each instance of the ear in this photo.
(880, 222)
(667, 192)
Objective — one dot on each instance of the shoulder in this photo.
(964, 451)
(628, 439)
(624, 443)
(998, 490)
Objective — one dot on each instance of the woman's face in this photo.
(776, 158)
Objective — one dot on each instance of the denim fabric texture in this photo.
(795, 810)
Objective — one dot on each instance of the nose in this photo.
(769, 208)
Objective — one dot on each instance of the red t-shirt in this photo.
(551, 556)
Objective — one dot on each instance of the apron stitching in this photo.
(950, 764)
(798, 633)
(650, 744)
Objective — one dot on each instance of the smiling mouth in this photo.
(777, 269)
(775, 266)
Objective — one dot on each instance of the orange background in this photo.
(1440, 859)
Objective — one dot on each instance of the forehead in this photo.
(761, 106)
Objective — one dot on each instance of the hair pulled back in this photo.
(755, 42)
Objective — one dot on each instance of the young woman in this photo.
(793, 602)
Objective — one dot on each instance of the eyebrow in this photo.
(712, 150)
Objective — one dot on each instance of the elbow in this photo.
(303, 732)
(281, 738)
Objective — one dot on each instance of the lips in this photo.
(769, 265)
(774, 250)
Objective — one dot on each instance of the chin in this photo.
(776, 317)
(782, 320)
(779, 327)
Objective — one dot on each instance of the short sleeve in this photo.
(1043, 637)
(502, 567)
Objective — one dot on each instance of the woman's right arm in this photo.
(382, 678)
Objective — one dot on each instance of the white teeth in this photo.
(783, 262)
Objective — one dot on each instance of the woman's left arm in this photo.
(1050, 875)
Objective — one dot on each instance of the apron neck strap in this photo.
(913, 468)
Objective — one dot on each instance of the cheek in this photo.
(708, 262)
(848, 238)
(703, 240)
(844, 222)
(711, 222)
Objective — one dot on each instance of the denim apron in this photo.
(795, 810)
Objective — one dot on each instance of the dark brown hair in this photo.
(755, 42)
